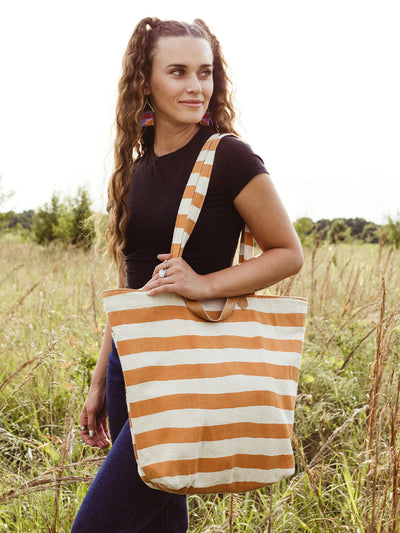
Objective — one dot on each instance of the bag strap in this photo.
(194, 195)
(189, 210)
(193, 199)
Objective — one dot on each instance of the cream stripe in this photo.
(281, 304)
(144, 391)
(223, 448)
(246, 251)
(193, 213)
(205, 479)
(202, 185)
(185, 238)
(193, 178)
(185, 205)
(140, 300)
(187, 418)
(181, 328)
(177, 237)
(191, 356)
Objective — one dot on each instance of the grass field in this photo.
(346, 434)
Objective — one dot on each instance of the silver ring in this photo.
(83, 428)
(162, 273)
(166, 264)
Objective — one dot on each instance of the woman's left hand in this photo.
(175, 275)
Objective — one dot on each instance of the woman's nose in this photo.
(194, 85)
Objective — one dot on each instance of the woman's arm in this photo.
(94, 411)
(261, 208)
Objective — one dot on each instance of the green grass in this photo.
(346, 434)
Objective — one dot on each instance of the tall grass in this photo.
(346, 434)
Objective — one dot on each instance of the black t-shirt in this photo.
(156, 191)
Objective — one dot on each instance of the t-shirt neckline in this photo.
(185, 146)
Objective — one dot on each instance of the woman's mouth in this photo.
(192, 103)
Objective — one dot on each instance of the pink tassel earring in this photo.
(206, 120)
(148, 115)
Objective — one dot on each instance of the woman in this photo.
(173, 94)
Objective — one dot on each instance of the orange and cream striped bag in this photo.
(210, 386)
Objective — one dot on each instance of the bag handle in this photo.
(189, 210)
(197, 309)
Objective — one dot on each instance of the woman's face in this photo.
(181, 82)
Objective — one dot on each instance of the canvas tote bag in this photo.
(210, 386)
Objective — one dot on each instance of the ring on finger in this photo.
(83, 428)
(162, 273)
(166, 264)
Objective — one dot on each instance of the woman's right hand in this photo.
(94, 416)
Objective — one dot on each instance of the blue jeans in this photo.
(118, 501)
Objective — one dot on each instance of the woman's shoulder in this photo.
(236, 164)
(238, 149)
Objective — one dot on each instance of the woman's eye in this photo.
(206, 73)
(177, 72)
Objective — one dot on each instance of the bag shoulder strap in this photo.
(193, 199)
(194, 195)
(188, 213)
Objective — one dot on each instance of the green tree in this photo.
(82, 224)
(393, 227)
(339, 231)
(305, 229)
(4, 217)
(67, 221)
(45, 221)
(370, 233)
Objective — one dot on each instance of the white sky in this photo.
(318, 86)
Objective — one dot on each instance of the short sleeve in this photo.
(236, 164)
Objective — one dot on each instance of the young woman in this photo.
(173, 95)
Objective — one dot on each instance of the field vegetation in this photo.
(346, 435)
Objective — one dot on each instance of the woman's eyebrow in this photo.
(182, 65)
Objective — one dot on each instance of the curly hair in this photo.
(132, 140)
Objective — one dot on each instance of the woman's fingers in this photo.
(93, 422)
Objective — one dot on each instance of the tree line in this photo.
(70, 220)
(346, 230)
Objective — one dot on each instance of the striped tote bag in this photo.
(210, 385)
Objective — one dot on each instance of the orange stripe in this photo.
(209, 370)
(186, 223)
(212, 433)
(189, 191)
(240, 486)
(176, 249)
(114, 292)
(211, 401)
(197, 167)
(206, 171)
(189, 467)
(198, 200)
(181, 312)
(248, 238)
(180, 221)
(166, 344)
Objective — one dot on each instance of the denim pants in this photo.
(118, 501)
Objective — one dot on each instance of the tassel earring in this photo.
(206, 120)
(148, 115)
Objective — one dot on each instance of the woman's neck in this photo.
(170, 140)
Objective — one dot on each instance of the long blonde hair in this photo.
(132, 140)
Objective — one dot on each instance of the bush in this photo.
(68, 221)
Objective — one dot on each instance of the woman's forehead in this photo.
(183, 50)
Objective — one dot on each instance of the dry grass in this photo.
(347, 418)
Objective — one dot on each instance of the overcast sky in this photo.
(318, 87)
